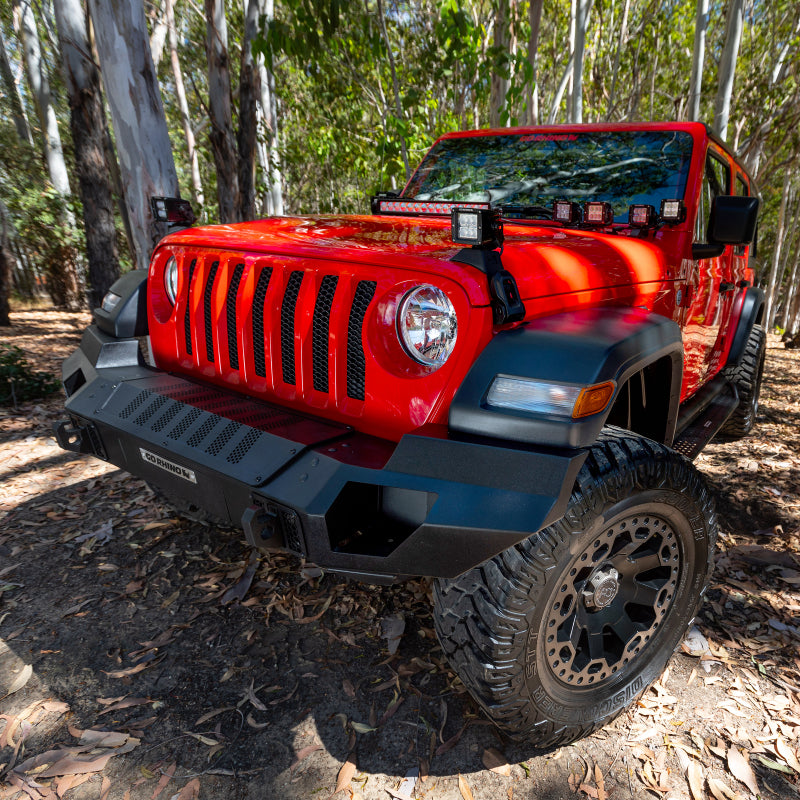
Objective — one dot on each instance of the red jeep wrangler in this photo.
(496, 379)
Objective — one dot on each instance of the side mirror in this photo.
(733, 219)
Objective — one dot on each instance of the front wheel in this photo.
(557, 635)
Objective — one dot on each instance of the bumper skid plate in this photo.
(355, 504)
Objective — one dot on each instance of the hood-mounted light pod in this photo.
(566, 212)
(642, 216)
(672, 212)
(597, 212)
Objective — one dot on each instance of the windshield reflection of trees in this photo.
(621, 168)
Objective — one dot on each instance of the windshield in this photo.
(534, 169)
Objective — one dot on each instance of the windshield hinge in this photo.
(507, 306)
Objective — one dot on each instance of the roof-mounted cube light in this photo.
(596, 212)
(566, 212)
(642, 216)
(672, 212)
(482, 228)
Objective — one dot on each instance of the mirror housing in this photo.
(733, 219)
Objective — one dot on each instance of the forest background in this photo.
(258, 107)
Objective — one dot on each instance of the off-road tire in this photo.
(746, 377)
(496, 622)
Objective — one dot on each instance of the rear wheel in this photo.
(557, 635)
(746, 377)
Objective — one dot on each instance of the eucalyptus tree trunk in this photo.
(198, 195)
(14, 100)
(774, 278)
(623, 39)
(499, 83)
(223, 142)
(581, 23)
(727, 67)
(6, 266)
(158, 31)
(145, 153)
(249, 90)
(534, 19)
(40, 89)
(698, 56)
(268, 124)
(87, 122)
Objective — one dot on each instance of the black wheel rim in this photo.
(612, 600)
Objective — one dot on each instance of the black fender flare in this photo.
(752, 309)
(578, 348)
(128, 318)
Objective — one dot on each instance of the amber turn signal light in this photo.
(593, 399)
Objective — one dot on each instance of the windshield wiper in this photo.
(517, 211)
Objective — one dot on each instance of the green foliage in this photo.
(19, 381)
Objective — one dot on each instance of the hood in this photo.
(544, 260)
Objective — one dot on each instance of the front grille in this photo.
(296, 316)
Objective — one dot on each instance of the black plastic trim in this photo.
(578, 348)
(129, 317)
(752, 305)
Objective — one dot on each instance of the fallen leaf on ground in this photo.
(495, 761)
(695, 776)
(21, 679)
(166, 777)
(345, 775)
(189, 792)
(303, 753)
(740, 768)
(392, 628)
(463, 787)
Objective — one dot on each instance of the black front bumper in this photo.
(356, 504)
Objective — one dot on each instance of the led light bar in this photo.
(596, 212)
(567, 212)
(477, 226)
(642, 216)
(427, 207)
(672, 212)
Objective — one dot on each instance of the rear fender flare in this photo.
(750, 314)
(583, 348)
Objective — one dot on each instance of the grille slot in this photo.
(230, 314)
(287, 326)
(209, 290)
(187, 318)
(356, 361)
(321, 331)
(134, 404)
(258, 321)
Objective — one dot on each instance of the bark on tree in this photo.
(159, 25)
(534, 19)
(268, 140)
(40, 89)
(198, 196)
(773, 281)
(6, 267)
(87, 122)
(145, 152)
(727, 67)
(12, 93)
(698, 56)
(223, 142)
(499, 84)
(581, 23)
(249, 90)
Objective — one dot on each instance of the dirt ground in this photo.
(145, 656)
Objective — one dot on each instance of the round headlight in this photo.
(427, 325)
(171, 279)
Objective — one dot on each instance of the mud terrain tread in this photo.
(480, 617)
(746, 377)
